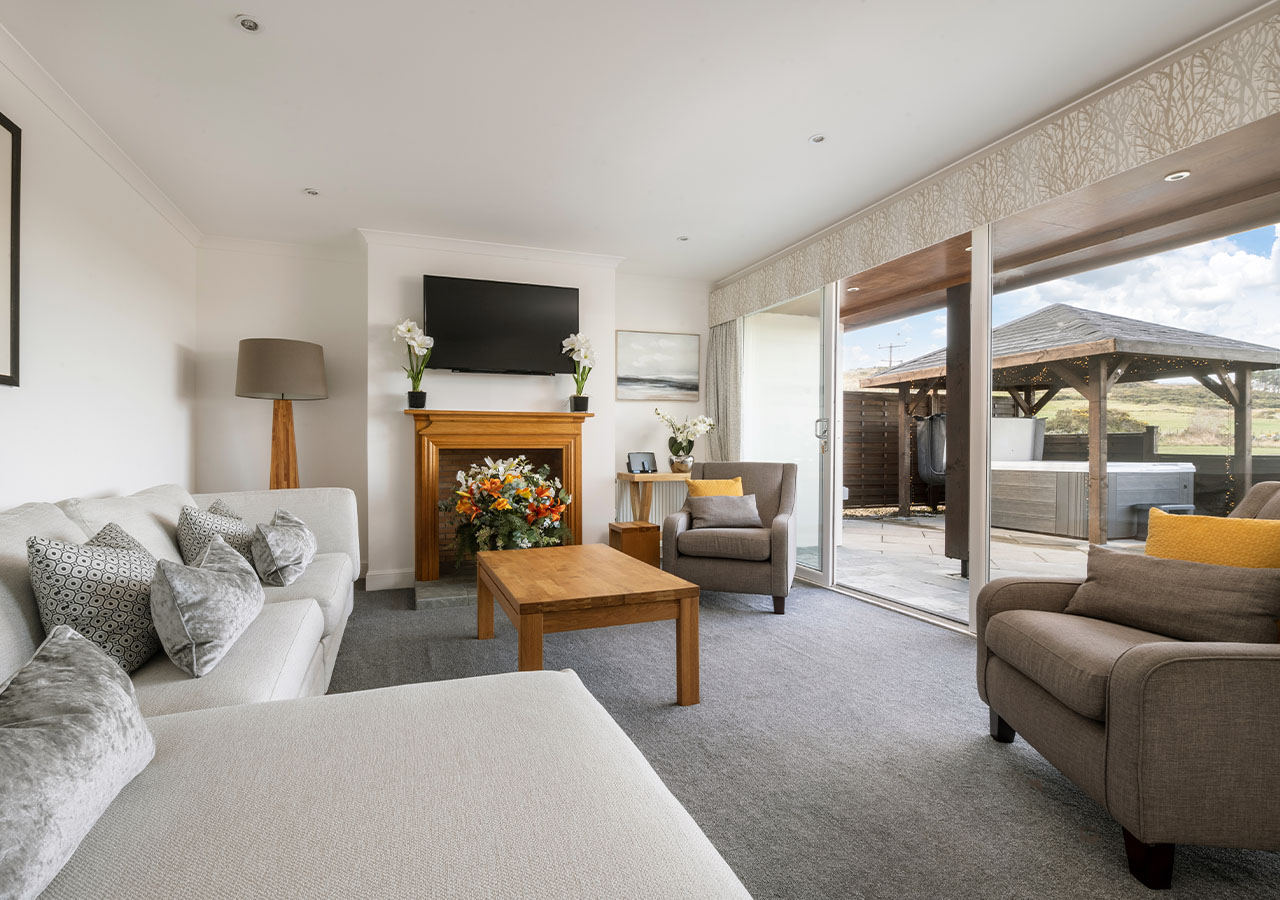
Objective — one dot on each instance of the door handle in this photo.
(821, 428)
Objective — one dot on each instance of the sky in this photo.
(1229, 287)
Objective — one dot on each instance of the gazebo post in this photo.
(904, 451)
(1243, 432)
(1097, 397)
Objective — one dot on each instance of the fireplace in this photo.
(446, 441)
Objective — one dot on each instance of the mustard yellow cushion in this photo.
(1244, 543)
(725, 487)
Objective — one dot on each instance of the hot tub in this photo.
(1053, 497)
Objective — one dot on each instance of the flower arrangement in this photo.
(683, 434)
(579, 347)
(419, 347)
(508, 504)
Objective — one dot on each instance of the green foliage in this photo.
(1076, 421)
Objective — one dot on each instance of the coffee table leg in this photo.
(530, 653)
(484, 609)
(687, 652)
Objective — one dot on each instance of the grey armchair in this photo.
(1178, 740)
(743, 560)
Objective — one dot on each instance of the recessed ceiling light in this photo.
(1177, 176)
(852, 289)
(682, 237)
(311, 192)
(248, 23)
(817, 138)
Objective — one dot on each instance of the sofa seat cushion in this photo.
(416, 782)
(268, 662)
(150, 516)
(1069, 656)
(726, 543)
(328, 582)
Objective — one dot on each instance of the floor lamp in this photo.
(283, 371)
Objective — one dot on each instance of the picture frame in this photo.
(661, 366)
(11, 161)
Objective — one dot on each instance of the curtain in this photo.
(724, 389)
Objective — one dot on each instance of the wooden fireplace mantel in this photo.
(488, 433)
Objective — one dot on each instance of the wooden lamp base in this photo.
(284, 451)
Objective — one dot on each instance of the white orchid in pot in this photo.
(418, 345)
(683, 434)
(579, 349)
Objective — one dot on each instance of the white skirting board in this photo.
(668, 497)
(388, 579)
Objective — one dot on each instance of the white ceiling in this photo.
(584, 125)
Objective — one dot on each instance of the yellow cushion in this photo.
(1244, 543)
(720, 487)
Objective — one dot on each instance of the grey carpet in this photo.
(840, 750)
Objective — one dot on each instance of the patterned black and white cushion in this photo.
(196, 528)
(283, 549)
(102, 589)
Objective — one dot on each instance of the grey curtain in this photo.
(724, 390)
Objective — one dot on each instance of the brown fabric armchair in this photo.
(1178, 740)
(744, 560)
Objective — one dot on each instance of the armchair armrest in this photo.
(329, 512)
(672, 527)
(1193, 744)
(782, 552)
(1047, 594)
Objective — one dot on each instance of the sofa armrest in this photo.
(1003, 594)
(1193, 743)
(329, 512)
(782, 552)
(672, 527)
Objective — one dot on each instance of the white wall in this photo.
(261, 289)
(396, 264)
(781, 397)
(650, 303)
(108, 313)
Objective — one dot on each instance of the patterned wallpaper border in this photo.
(1205, 93)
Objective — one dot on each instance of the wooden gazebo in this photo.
(1036, 357)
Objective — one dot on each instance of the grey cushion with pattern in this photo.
(196, 527)
(201, 610)
(102, 589)
(283, 549)
(220, 507)
(725, 512)
(73, 736)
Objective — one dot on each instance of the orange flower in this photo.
(502, 503)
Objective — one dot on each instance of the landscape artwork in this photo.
(655, 365)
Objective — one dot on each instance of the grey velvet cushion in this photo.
(724, 512)
(101, 588)
(1186, 600)
(201, 610)
(197, 527)
(71, 736)
(283, 549)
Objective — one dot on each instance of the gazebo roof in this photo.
(1026, 351)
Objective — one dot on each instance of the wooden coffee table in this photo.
(550, 589)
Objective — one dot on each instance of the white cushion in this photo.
(268, 662)
(150, 516)
(402, 792)
(20, 629)
(327, 581)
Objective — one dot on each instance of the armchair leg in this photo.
(1152, 864)
(1001, 730)
(779, 606)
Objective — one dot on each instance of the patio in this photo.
(900, 558)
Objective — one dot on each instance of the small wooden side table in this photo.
(641, 485)
(639, 540)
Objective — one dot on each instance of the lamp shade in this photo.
(278, 369)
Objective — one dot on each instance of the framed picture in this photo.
(656, 365)
(11, 163)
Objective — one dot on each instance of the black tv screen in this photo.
(498, 326)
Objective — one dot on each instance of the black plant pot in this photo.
(578, 403)
(417, 399)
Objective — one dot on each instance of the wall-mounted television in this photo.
(498, 326)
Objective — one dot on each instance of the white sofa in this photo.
(508, 786)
